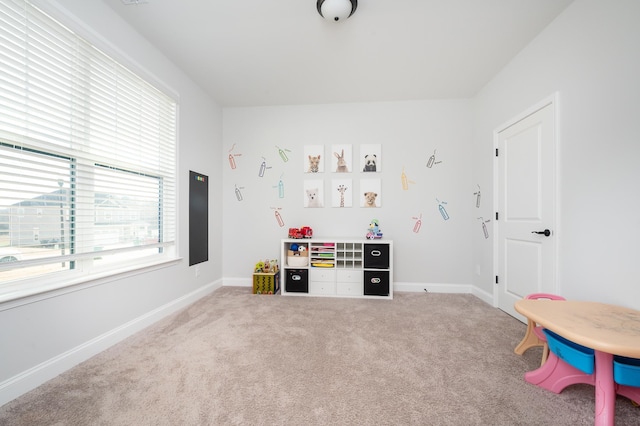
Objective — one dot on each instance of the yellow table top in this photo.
(607, 328)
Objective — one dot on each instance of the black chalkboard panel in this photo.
(198, 218)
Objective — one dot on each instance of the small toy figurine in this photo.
(374, 230)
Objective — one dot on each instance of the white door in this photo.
(526, 195)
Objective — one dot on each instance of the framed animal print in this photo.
(341, 193)
(371, 158)
(370, 193)
(313, 196)
(342, 158)
(314, 159)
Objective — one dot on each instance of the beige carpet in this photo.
(234, 358)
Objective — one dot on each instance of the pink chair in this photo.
(534, 336)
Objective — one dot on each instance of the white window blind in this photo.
(87, 153)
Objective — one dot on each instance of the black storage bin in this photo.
(376, 283)
(376, 256)
(296, 281)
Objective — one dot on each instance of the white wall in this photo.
(408, 132)
(43, 336)
(590, 56)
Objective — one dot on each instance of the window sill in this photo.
(30, 291)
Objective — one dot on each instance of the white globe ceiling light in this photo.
(336, 10)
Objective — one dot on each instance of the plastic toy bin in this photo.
(573, 354)
(376, 283)
(296, 281)
(376, 256)
(626, 371)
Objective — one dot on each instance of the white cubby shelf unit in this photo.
(332, 267)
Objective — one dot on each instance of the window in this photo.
(87, 157)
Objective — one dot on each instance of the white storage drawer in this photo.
(349, 289)
(322, 287)
(349, 276)
(322, 274)
(349, 283)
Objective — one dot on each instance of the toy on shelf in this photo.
(297, 249)
(299, 233)
(374, 232)
(266, 267)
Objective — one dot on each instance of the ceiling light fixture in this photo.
(336, 10)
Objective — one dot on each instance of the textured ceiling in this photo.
(281, 52)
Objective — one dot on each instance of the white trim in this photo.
(397, 286)
(30, 379)
(237, 282)
(18, 294)
(432, 287)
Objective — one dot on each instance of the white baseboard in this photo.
(445, 288)
(400, 286)
(432, 287)
(483, 295)
(36, 376)
(237, 282)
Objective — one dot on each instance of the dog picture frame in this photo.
(313, 193)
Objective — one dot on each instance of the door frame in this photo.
(554, 100)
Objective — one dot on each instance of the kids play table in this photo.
(607, 329)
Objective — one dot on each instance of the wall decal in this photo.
(278, 216)
(477, 194)
(263, 167)
(432, 160)
(314, 193)
(283, 153)
(342, 157)
(418, 224)
(371, 158)
(239, 192)
(341, 190)
(442, 210)
(405, 181)
(484, 226)
(280, 187)
(370, 193)
(314, 159)
(232, 161)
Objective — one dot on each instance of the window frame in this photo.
(83, 269)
